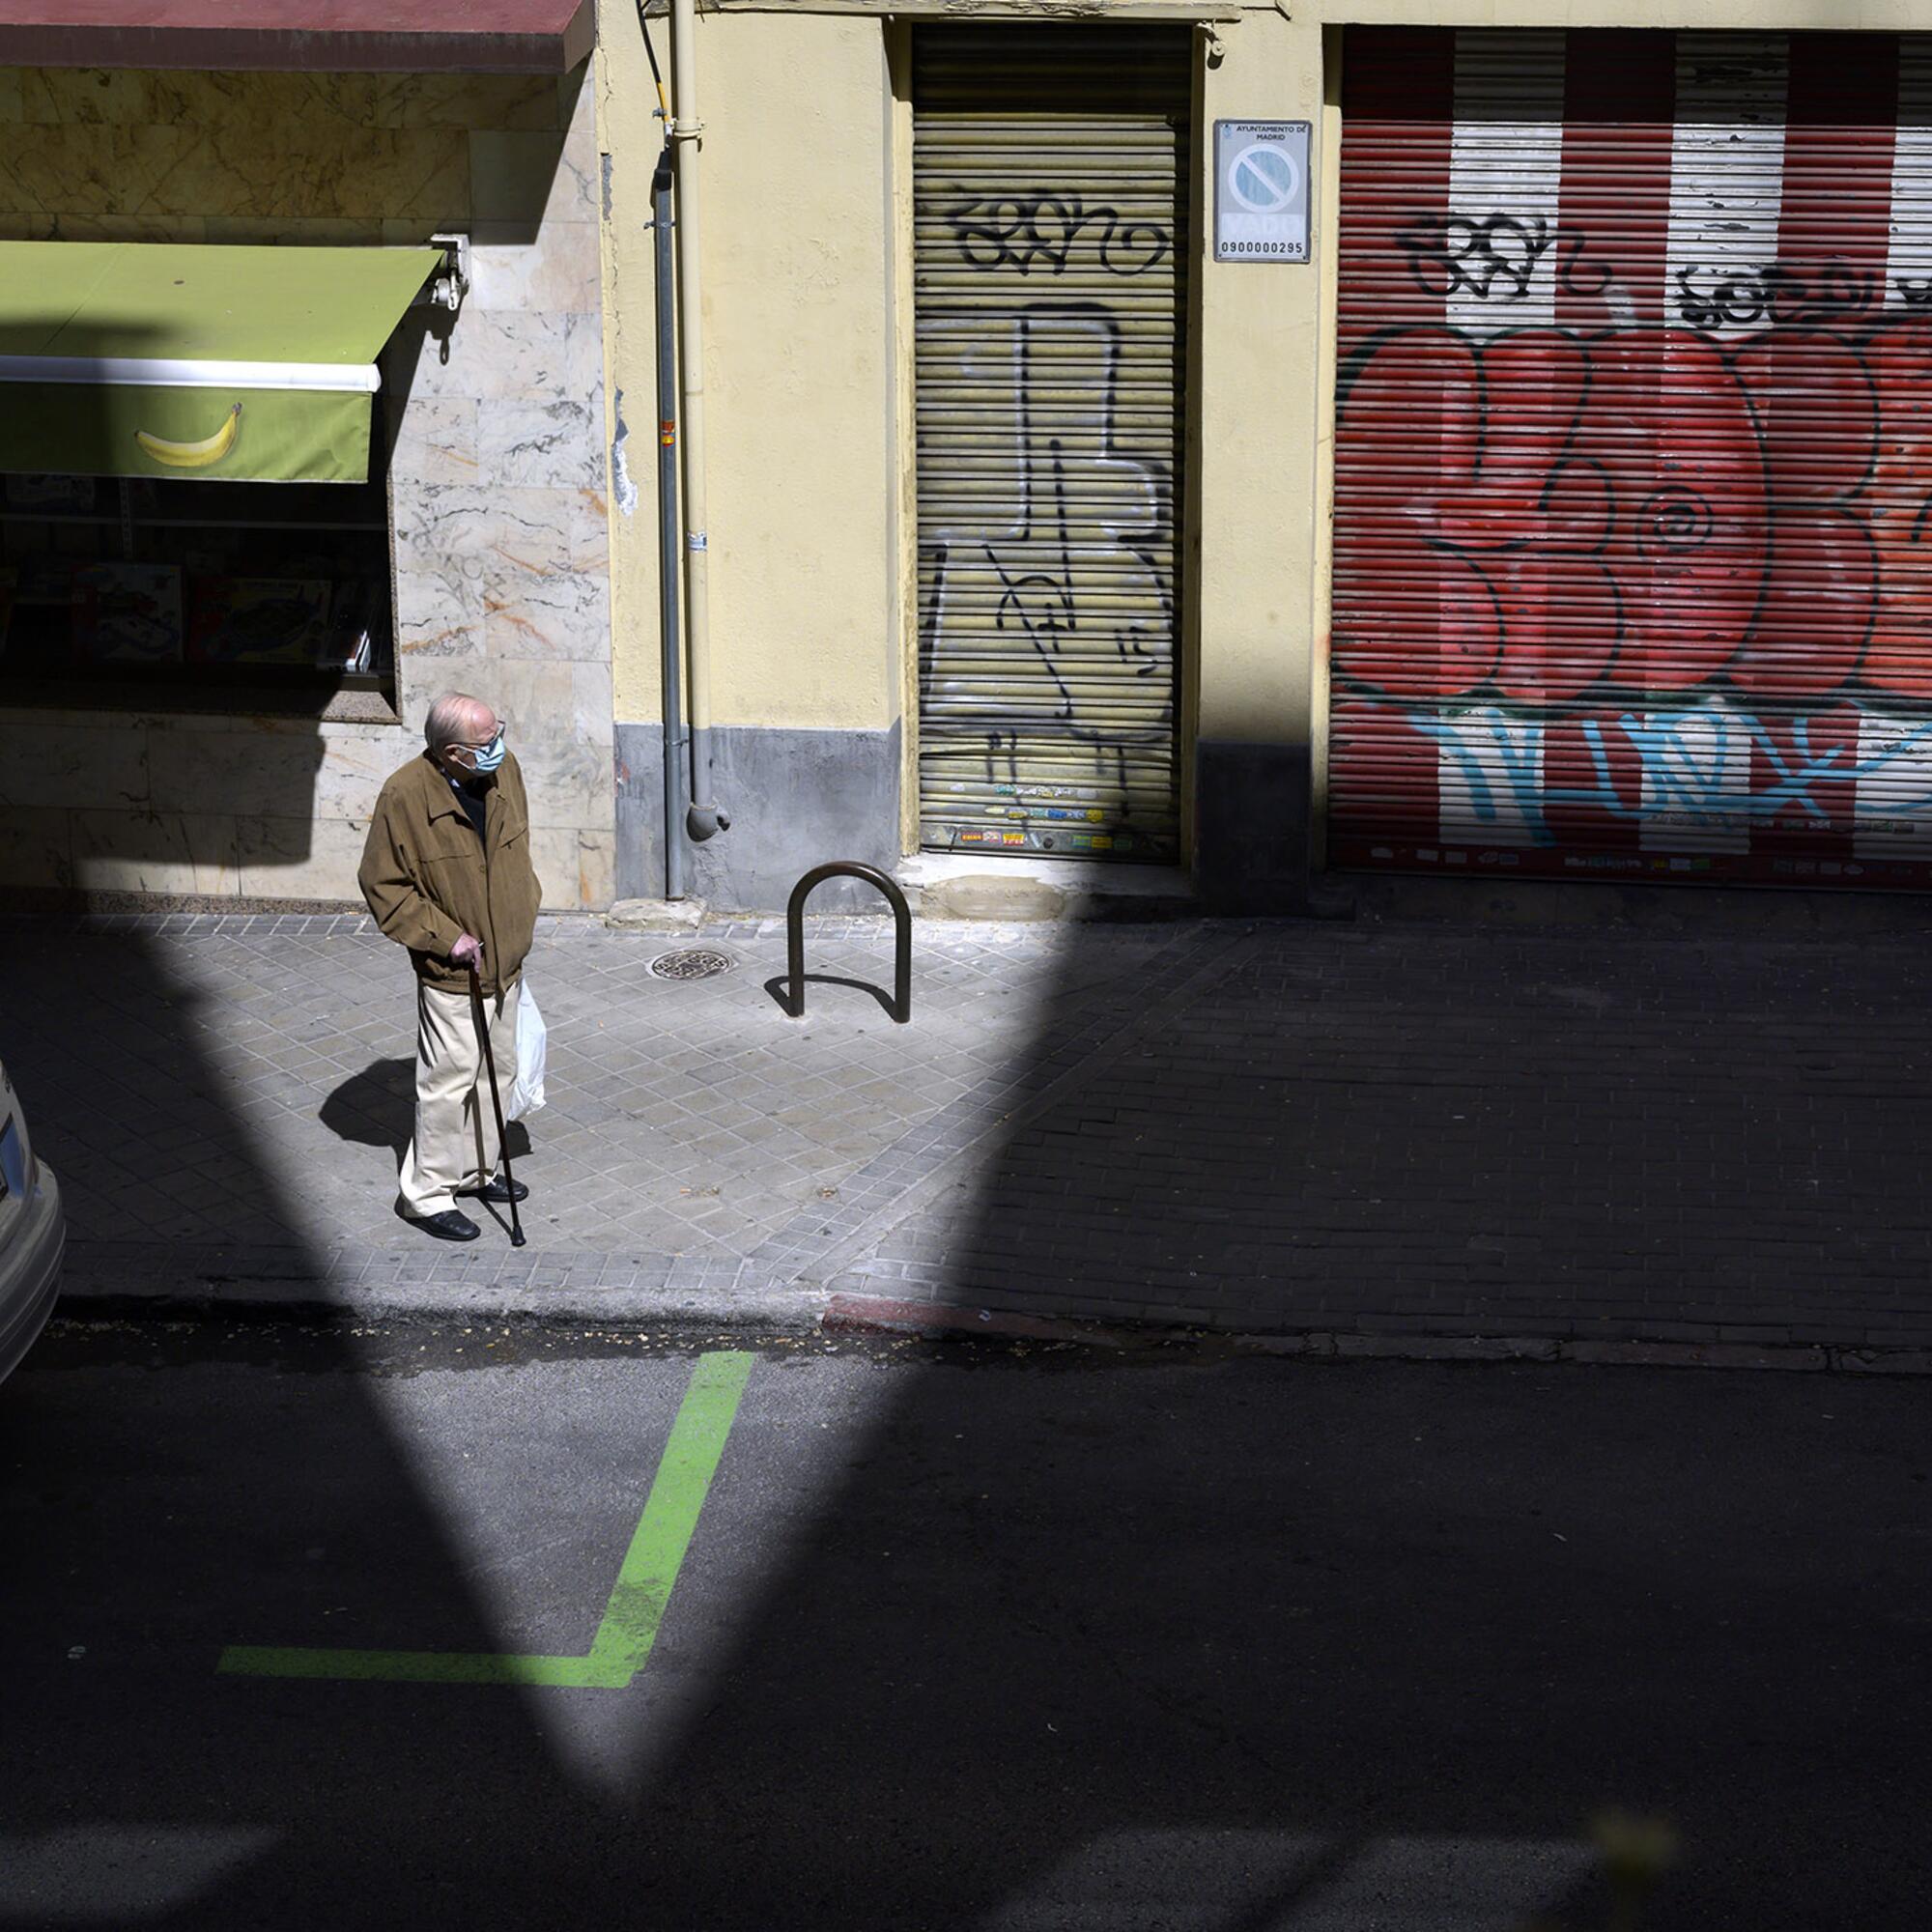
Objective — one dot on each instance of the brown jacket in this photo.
(429, 879)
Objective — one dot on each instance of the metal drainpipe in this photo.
(676, 859)
(703, 818)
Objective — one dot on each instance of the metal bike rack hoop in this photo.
(849, 868)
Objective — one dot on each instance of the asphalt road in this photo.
(1007, 1642)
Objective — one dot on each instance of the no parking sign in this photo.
(1262, 190)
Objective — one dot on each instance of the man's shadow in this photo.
(376, 1108)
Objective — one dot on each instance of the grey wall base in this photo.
(1252, 827)
(639, 756)
(800, 798)
(796, 799)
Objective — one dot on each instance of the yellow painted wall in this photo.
(798, 368)
(812, 579)
(1254, 420)
(807, 228)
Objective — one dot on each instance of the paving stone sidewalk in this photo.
(1375, 1130)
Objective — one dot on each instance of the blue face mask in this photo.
(490, 756)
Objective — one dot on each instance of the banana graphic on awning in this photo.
(193, 455)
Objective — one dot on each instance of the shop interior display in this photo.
(106, 579)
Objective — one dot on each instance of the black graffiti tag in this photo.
(1494, 257)
(1491, 257)
(1774, 294)
(1081, 498)
(1672, 521)
(1041, 229)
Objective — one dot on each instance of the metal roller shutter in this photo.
(1050, 251)
(1635, 455)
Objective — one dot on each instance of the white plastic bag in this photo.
(526, 1091)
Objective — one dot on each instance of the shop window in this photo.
(142, 592)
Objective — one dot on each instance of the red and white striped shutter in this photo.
(1634, 455)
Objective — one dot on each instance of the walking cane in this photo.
(496, 1102)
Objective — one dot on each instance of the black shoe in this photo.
(451, 1225)
(497, 1191)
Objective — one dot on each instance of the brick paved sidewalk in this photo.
(225, 1099)
(1417, 1132)
(1379, 1129)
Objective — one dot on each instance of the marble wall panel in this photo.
(577, 194)
(542, 589)
(526, 103)
(432, 650)
(577, 118)
(437, 442)
(358, 761)
(46, 227)
(463, 538)
(93, 171)
(299, 859)
(79, 764)
(558, 715)
(277, 767)
(433, 624)
(226, 171)
(596, 868)
(561, 614)
(559, 268)
(502, 353)
(526, 529)
(577, 870)
(578, 521)
(569, 778)
(419, 174)
(409, 173)
(55, 95)
(590, 547)
(225, 773)
(547, 443)
(413, 233)
(36, 847)
(291, 104)
(438, 551)
(417, 686)
(519, 178)
(306, 231)
(142, 721)
(155, 852)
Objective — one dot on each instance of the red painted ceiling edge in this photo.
(301, 35)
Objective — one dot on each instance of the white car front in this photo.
(33, 1234)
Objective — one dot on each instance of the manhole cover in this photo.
(693, 962)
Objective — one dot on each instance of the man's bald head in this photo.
(458, 719)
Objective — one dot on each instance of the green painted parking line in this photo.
(645, 1578)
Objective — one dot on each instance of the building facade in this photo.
(1558, 510)
(176, 719)
(1561, 514)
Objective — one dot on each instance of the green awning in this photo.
(202, 364)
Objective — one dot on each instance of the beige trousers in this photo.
(456, 1126)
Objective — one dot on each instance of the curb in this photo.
(869, 1315)
(778, 1310)
(796, 1312)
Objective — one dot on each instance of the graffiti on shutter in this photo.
(1048, 257)
(1633, 570)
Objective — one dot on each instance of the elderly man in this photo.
(448, 874)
